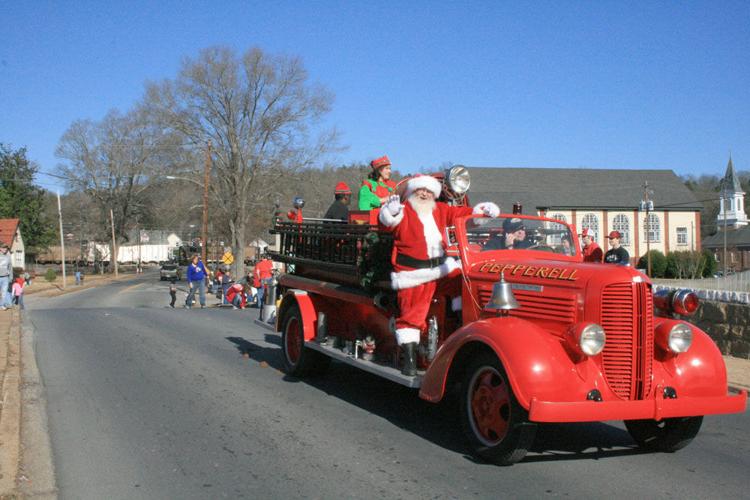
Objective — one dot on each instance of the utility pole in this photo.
(724, 207)
(113, 257)
(62, 237)
(204, 230)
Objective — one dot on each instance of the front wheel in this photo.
(298, 359)
(496, 426)
(668, 435)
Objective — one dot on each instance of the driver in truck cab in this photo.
(513, 237)
(419, 259)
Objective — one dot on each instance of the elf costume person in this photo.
(420, 265)
(378, 186)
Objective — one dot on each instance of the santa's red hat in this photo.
(423, 181)
(342, 188)
(380, 162)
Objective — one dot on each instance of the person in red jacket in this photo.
(261, 276)
(419, 259)
(236, 297)
(591, 251)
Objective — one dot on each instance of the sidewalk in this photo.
(738, 372)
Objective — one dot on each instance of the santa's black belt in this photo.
(405, 260)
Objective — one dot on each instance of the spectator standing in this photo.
(6, 269)
(196, 277)
(378, 186)
(27, 278)
(592, 252)
(617, 254)
(339, 209)
(262, 276)
(18, 292)
(78, 277)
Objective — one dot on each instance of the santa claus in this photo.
(419, 261)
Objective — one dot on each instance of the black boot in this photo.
(409, 359)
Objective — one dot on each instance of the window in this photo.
(652, 228)
(682, 236)
(556, 239)
(591, 222)
(621, 223)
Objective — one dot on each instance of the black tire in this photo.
(299, 360)
(668, 435)
(496, 427)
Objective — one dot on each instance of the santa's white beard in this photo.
(422, 207)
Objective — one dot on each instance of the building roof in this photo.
(579, 189)
(730, 183)
(735, 238)
(8, 228)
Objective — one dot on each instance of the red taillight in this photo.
(685, 302)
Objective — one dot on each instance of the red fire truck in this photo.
(541, 336)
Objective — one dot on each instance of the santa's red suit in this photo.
(419, 260)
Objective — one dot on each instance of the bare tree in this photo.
(111, 161)
(257, 110)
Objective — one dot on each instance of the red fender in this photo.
(536, 362)
(700, 372)
(306, 309)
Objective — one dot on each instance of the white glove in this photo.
(393, 205)
(487, 208)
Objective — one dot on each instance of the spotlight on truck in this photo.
(458, 179)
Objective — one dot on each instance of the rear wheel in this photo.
(668, 435)
(298, 359)
(496, 426)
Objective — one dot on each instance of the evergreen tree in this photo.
(21, 199)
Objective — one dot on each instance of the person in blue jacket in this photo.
(196, 278)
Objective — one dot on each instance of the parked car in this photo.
(170, 272)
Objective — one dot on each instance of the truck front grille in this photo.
(627, 316)
(535, 306)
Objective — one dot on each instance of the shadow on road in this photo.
(439, 423)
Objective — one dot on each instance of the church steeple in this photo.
(732, 202)
(730, 182)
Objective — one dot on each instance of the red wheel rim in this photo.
(489, 406)
(293, 342)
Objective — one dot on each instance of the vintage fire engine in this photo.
(541, 336)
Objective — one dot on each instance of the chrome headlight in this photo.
(680, 338)
(592, 339)
(586, 338)
(458, 179)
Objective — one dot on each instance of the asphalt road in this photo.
(150, 402)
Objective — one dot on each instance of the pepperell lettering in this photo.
(550, 273)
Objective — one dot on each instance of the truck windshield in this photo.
(516, 233)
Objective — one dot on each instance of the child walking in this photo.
(17, 291)
(172, 294)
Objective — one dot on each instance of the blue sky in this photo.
(599, 84)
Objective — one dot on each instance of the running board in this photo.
(387, 372)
